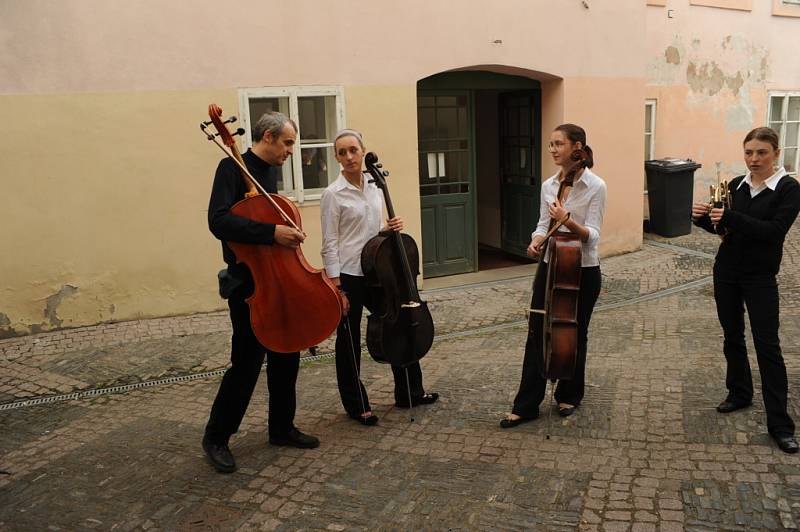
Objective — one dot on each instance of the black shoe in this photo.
(295, 438)
(566, 411)
(369, 420)
(727, 406)
(507, 423)
(219, 455)
(786, 443)
(426, 399)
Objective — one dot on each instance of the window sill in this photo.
(739, 5)
(780, 9)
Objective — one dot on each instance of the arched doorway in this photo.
(479, 143)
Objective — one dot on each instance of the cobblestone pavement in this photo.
(645, 451)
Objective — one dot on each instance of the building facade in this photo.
(106, 174)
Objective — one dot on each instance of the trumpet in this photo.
(720, 198)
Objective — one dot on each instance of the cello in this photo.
(562, 284)
(294, 306)
(400, 327)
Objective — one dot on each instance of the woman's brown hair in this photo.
(764, 134)
(577, 134)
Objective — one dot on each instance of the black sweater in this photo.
(230, 188)
(756, 227)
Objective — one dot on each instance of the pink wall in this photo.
(113, 45)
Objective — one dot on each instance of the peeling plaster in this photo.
(735, 62)
(672, 55)
(735, 83)
(708, 77)
(6, 330)
(54, 301)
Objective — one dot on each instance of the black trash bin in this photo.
(670, 187)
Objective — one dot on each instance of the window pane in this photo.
(777, 126)
(455, 167)
(319, 167)
(525, 120)
(790, 160)
(794, 108)
(259, 106)
(286, 180)
(427, 167)
(791, 134)
(648, 119)
(317, 120)
(446, 122)
(463, 125)
(776, 109)
(454, 189)
(648, 156)
(426, 123)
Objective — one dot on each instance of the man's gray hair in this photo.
(272, 122)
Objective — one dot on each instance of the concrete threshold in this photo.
(484, 277)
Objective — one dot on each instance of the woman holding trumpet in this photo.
(763, 204)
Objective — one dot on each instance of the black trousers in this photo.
(247, 357)
(348, 356)
(532, 386)
(759, 293)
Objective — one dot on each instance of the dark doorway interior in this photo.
(479, 147)
(490, 258)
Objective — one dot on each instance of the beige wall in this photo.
(105, 199)
(106, 175)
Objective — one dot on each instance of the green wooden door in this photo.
(520, 169)
(446, 181)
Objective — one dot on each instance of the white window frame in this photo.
(782, 134)
(650, 107)
(296, 193)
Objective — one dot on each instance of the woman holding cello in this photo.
(351, 211)
(581, 209)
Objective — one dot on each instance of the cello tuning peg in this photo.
(230, 120)
(204, 125)
(239, 131)
(385, 173)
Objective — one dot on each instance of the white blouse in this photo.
(586, 204)
(769, 183)
(350, 217)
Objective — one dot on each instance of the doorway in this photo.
(479, 136)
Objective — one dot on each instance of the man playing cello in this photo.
(274, 137)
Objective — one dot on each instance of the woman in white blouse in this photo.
(585, 204)
(351, 211)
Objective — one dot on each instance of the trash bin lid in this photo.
(671, 164)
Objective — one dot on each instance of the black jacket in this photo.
(756, 227)
(228, 189)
